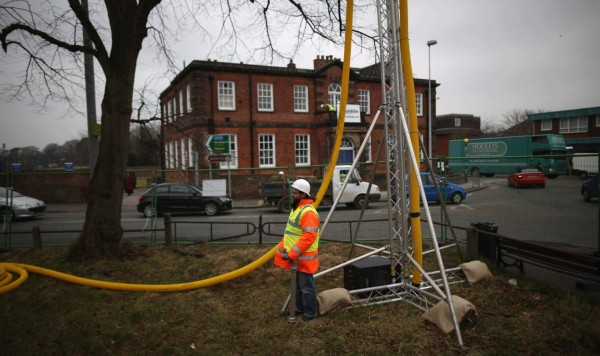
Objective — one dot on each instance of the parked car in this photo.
(22, 206)
(526, 176)
(589, 189)
(454, 193)
(181, 197)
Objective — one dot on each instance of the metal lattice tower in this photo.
(401, 160)
(392, 85)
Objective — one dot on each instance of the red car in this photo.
(529, 176)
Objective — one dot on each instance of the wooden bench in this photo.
(575, 264)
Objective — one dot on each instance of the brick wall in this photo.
(52, 187)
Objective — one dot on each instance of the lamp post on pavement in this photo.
(429, 44)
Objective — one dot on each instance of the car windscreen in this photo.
(4, 192)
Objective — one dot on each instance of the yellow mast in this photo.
(411, 104)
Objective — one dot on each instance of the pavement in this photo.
(130, 201)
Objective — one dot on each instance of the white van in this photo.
(585, 164)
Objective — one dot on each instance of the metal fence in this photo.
(261, 230)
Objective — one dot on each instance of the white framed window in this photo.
(190, 150)
(300, 98)
(266, 150)
(546, 125)
(188, 97)
(265, 96)
(170, 111)
(165, 112)
(597, 120)
(302, 149)
(421, 156)
(334, 93)
(233, 153)
(181, 103)
(183, 160)
(419, 99)
(573, 124)
(226, 93)
(167, 155)
(457, 122)
(364, 100)
(174, 154)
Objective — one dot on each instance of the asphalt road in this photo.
(555, 215)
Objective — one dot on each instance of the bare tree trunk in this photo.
(102, 231)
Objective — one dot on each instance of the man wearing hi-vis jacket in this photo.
(300, 242)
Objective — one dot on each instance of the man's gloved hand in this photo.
(284, 255)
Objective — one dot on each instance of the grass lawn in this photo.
(242, 316)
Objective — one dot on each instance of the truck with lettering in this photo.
(276, 191)
(502, 155)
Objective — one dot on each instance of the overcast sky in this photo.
(492, 57)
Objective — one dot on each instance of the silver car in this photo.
(21, 207)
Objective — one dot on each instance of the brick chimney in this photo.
(291, 65)
(320, 61)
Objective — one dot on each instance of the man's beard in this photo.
(295, 203)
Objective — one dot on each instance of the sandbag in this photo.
(475, 271)
(333, 298)
(440, 313)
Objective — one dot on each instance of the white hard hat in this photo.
(302, 185)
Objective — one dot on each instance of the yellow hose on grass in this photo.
(132, 287)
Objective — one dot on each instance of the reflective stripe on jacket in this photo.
(301, 239)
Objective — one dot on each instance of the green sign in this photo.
(217, 144)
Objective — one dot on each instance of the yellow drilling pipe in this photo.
(413, 124)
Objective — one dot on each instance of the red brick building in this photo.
(273, 116)
(579, 127)
(454, 127)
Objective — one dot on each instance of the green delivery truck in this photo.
(501, 155)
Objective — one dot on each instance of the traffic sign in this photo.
(217, 144)
(219, 158)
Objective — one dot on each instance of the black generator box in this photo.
(368, 272)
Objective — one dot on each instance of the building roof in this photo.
(564, 114)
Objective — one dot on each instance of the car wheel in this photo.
(359, 202)
(587, 196)
(543, 185)
(211, 208)
(284, 206)
(516, 185)
(456, 198)
(149, 211)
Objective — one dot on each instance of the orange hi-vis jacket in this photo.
(301, 239)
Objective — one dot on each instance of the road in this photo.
(555, 215)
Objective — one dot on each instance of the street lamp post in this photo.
(429, 44)
(3, 158)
